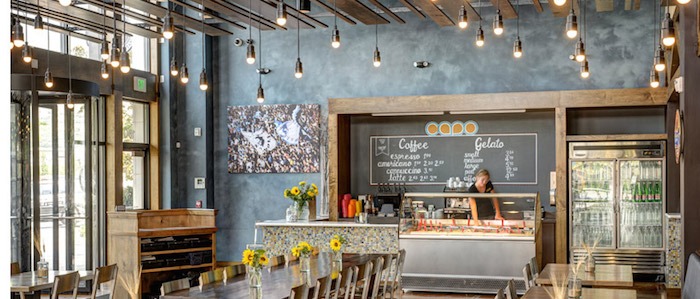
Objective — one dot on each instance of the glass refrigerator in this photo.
(617, 203)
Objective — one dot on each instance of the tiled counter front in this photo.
(279, 237)
(673, 251)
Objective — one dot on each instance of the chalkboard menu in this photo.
(431, 160)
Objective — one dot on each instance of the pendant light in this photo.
(571, 23)
(104, 51)
(659, 57)
(498, 20)
(18, 37)
(683, 1)
(203, 83)
(48, 78)
(250, 52)
(281, 14)
(27, 51)
(124, 61)
(184, 72)
(304, 6)
(38, 20)
(261, 93)
(463, 20)
(174, 70)
(517, 45)
(584, 72)
(653, 78)
(580, 51)
(69, 97)
(12, 32)
(377, 61)
(115, 54)
(480, 31)
(104, 70)
(298, 68)
(560, 2)
(668, 33)
(168, 26)
(65, 2)
(335, 38)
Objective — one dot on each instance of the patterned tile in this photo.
(673, 251)
(280, 239)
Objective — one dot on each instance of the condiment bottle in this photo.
(351, 208)
(345, 203)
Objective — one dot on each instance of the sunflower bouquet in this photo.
(336, 244)
(255, 258)
(303, 251)
(301, 194)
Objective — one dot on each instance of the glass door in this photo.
(592, 203)
(641, 204)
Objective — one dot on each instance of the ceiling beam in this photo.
(387, 11)
(632, 4)
(360, 12)
(63, 30)
(563, 11)
(336, 12)
(160, 12)
(506, 8)
(434, 12)
(412, 8)
(604, 5)
(269, 11)
(178, 17)
(471, 12)
(237, 13)
(538, 5)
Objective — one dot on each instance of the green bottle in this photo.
(637, 192)
(647, 192)
(657, 191)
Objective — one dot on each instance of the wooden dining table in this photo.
(276, 281)
(603, 276)
(538, 292)
(27, 282)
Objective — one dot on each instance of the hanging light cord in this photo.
(260, 46)
(517, 21)
(298, 34)
(376, 36)
(250, 22)
(204, 52)
(335, 16)
(48, 38)
(70, 68)
(653, 35)
(104, 19)
(124, 24)
(480, 18)
(585, 22)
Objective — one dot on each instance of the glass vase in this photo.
(305, 262)
(338, 255)
(42, 268)
(255, 277)
(590, 264)
(302, 211)
(573, 288)
(291, 215)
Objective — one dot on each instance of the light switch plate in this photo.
(199, 183)
(198, 132)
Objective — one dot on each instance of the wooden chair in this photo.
(361, 274)
(231, 271)
(380, 275)
(534, 267)
(392, 281)
(499, 294)
(322, 289)
(65, 283)
(527, 275)
(341, 283)
(276, 261)
(370, 278)
(211, 276)
(174, 285)
(105, 274)
(511, 292)
(14, 268)
(299, 292)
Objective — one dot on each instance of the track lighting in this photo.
(659, 59)
(479, 37)
(298, 69)
(571, 24)
(104, 51)
(48, 78)
(335, 39)
(653, 78)
(463, 20)
(124, 61)
(174, 71)
(498, 23)
(103, 70)
(65, 2)
(27, 54)
(168, 26)
(203, 83)
(580, 53)
(18, 37)
(261, 94)
(668, 33)
(184, 74)
(517, 48)
(585, 73)
(281, 14)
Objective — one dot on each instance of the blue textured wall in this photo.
(619, 47)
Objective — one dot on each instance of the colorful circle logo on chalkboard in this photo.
(431, 128)
(457, 128)
(445, 128)
(471, 127)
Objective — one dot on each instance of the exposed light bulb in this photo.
(377, 61)
(250, 53)
(585, 73)
(203, 83)
(48, 79)
(571, 25)
(281, 14)
(517, 48)
(69, 100)
(103, 70)
(682, 1)
(580, 52)
(174, 71)
(261, 94)
(654, 79)
(498, 23)
(559, 2)
(18, 37)
(479, 37)
(335, 39)
(659, 59)
(27, 54)
(168, 26)
(104, 51)
(668, 33)
(184, 74)
(65, 2)
(124, 61)
(463, 19)
(115, 56)
(298, 69)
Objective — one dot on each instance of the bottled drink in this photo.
(646, 192)
(657, 191)
(625, 192)
(638, 192)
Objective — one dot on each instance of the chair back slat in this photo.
(527, 276)
(350, 275)
(231, 271)
(376, 278)
(105, 274)
(499, 294)
(211, 276)
(511, 292)
(534, 267)
(174, 285)
(323, 287)
(299, 292)
(64, 283)
(363, 273)
(277, 260)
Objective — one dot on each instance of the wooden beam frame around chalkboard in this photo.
(340, 110)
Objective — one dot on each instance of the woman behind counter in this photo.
(481, 207)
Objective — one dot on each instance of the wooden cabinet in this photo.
(161, 244)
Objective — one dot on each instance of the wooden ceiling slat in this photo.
(62, 30)
(338, 13)
(471, 12)
(234, 12)
(434, 12)
(604, 5)
(506, 8)
(538, 5)
(451, 9)
(269, 11)
(632, 4)
(412, 8)
(178, 17)
(361, 12)
(563, 11)
(387, 11)
(160, 12)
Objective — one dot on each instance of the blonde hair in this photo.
(482, 172)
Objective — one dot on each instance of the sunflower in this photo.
(335, 244)
(310, 193)
(302, 183)
(264, 260)
(248, 256)
(295, 191)
(295, 251)
(314, 186)
(287, 192)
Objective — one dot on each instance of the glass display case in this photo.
(452, 252)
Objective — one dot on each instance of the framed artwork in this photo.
(274, 138)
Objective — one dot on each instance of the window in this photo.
(139, 51)
(84, 48)
(135, 134)
(38, 39)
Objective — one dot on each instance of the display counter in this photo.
(463, 255)
(279, 236)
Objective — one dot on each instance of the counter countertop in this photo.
(320, 223)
